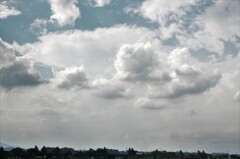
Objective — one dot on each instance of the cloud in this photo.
(65, 12)
(38, 26)
(6, 53)
(76, 47)
(198, 41)
(110, 89)
(137, 62)
(212, 22)
(167, 75)
(71, 77)
(187, 77)
(113, 92)
(192, 31)
(237, 96)
(16, 71)
(147, 103)
(19, 73)
(163, 11)
(6, 11)
(102, 3)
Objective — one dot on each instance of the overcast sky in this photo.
(148, 74)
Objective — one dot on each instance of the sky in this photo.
(148, 74)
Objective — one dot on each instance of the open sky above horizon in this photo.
(152, 74)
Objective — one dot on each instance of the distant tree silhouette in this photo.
(43, 151)
(19, 152)
(32, 152)
(131, 152)
(58, 152)
(181, 155)
(36, 151)
(2, 153)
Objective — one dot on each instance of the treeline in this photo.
(104, 153)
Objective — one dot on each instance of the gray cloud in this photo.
(113, 92)
(6, 53)
(72, 77)
(167, 75)
(19, 73)
(138, 62)
(16, 71)
(187, 77)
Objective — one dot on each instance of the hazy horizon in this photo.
(147, 74)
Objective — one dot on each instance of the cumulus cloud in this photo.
(138, 62)
(170, 76)
(187, 77)
(65, 12)
(6, 11)
(71, 77)
(102, 3)
(16, 71)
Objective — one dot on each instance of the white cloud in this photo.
(138, 62)
(212, 20)
(65, 12)
(38, 26)
(102, 3)
(6, 11)
(213, 28)
(163, 11)
(192, 31)
(198, 41)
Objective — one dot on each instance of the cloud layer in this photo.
(148, 68)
